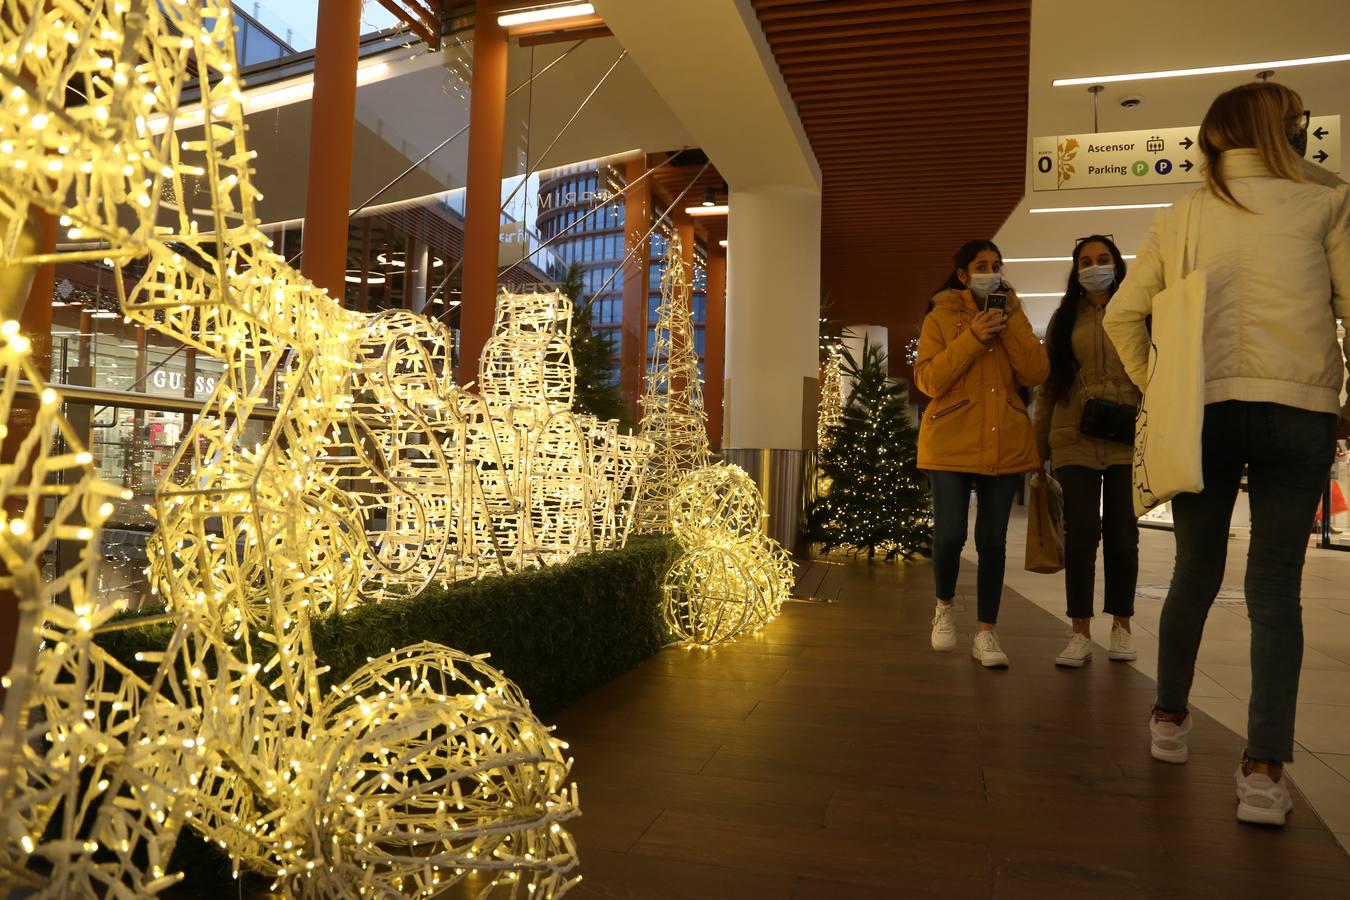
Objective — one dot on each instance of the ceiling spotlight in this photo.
(709, 197)
(723, 243)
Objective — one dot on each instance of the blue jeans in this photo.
(994, 495)
(1288, 453)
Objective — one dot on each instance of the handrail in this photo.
(132, 399)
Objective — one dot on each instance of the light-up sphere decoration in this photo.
(715, 594)
(440, 761)
(732, 579)
(717, 503)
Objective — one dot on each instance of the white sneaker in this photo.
(944, 629)
(1077, 653)
(1122, 644)
(1260, 800)
(988, 652)
(1169, 739)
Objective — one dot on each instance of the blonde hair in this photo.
(1259, 116)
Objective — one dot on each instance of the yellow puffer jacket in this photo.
(977, 422)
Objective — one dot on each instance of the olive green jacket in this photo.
(1100, 374)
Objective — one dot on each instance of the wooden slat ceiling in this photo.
(916, 111)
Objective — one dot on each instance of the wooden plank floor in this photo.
(836, 756)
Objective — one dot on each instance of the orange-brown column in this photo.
(483, 203)
(714, 344)
(331, 134)
(637, 218)
(35, 323)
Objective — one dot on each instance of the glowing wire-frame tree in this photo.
(732, 578)
(831, 413)
(421, 766)
(673, 418)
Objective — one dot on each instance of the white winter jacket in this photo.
(1278, 279)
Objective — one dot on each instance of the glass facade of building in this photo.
(583, 220)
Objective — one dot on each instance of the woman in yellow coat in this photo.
(974, 361)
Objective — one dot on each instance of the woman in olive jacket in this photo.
(1095, 473)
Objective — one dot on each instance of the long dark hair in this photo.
(962, 260)
(1059, 338)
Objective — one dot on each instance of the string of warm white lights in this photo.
(673, 418)
(424, 765)
(732, 579)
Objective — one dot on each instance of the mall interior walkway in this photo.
(835, 757)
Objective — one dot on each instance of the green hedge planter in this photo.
(557, 633)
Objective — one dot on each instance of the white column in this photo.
(773, 311)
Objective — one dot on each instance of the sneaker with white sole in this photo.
(988, 652)
(1122, 644)
(944, 629)
(1260, 800)
(1077, 653)
(1169, 739)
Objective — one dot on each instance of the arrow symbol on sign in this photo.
(1188, 165)
(1187, 143)
(1320, 132)
(1320, 156)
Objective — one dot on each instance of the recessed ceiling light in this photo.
(1044, 259)
(1203, 70)
(1065, 209)
(719, 210)
(1046, 294)
(545, 14)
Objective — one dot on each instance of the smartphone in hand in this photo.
(997, 301)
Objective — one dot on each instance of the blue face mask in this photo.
(982, 284)
(1097, 279)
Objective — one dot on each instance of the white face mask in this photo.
(1097, 279)
(982, 284)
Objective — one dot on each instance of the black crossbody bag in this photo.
(1108, 420)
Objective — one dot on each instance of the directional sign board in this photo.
(1161, 156)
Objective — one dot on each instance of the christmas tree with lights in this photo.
(593, 357)
(873, 497)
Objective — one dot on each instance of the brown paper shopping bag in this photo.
(1045, 526)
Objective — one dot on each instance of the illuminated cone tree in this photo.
(672, 404)
(873, 498)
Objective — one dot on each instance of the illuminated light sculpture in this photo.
(673, 418)
(424, 765)
(732, 579)
(553, 483)
(831, 413)
(69, 708)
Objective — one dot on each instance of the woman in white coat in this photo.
(1275, 249)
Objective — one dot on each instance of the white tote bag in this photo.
(1167, 433)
